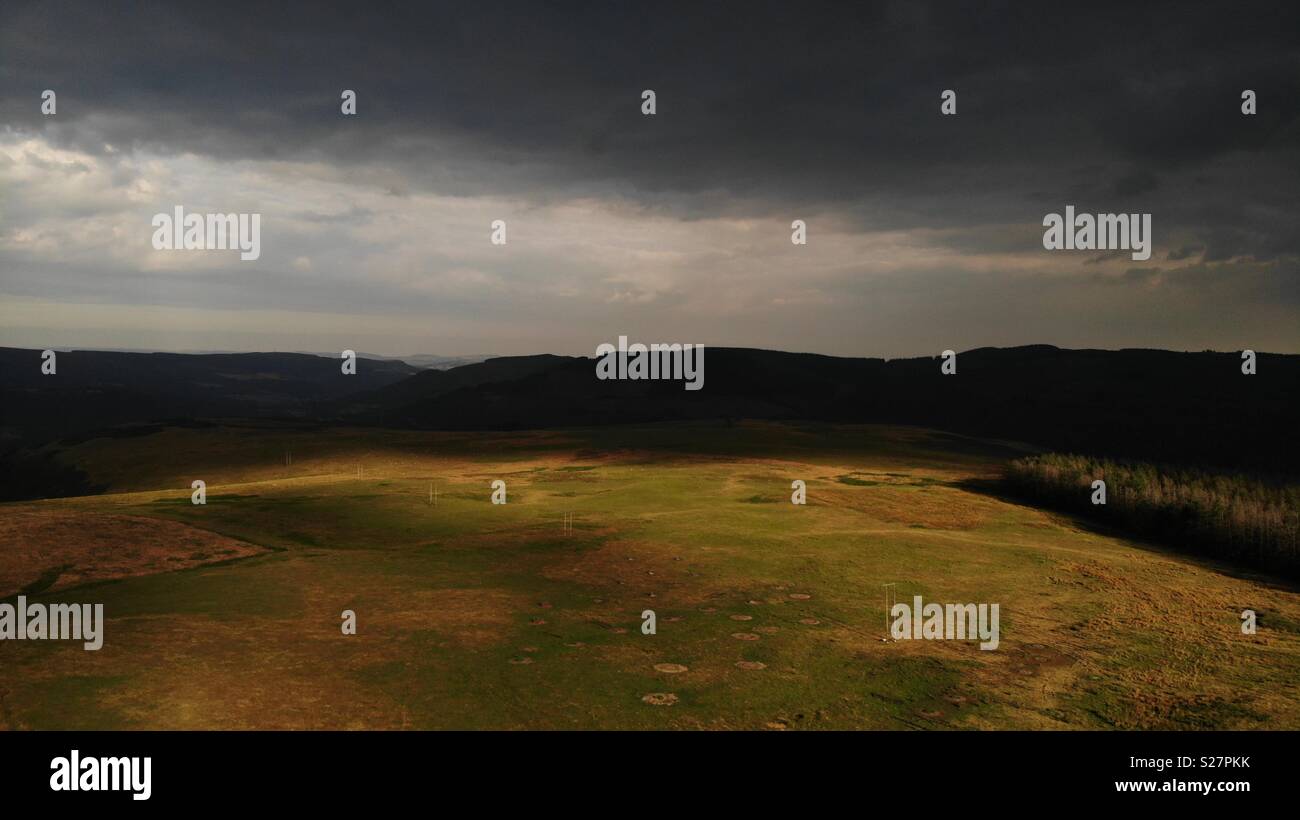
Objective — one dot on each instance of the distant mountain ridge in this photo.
(93, 389)
(1182, 407)
(1153, 404)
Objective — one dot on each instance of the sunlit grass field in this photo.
(475, 615)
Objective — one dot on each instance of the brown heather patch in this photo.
(936, 507)
(204, 673)
(608, 565)
(72, 548)
(466, 617)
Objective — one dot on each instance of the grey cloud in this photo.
(828, 113)
(774, 107)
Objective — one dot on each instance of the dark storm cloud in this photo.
(765, 110)
(763, 107)
(1185, 252)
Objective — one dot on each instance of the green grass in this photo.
(692, 521)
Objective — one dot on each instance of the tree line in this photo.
(1232, 516)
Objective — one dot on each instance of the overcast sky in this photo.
(924, 231)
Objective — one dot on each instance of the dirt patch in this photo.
(42, 550)
(660, 699)
(670, 668)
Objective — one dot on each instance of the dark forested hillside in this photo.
(96, 389)
(1179, 407)
(1159, 405)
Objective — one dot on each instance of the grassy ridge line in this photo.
(1228, 516)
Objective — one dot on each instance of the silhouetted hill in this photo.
(96, 389)
(1160, 405)
(1152, 404)
(429, 384)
